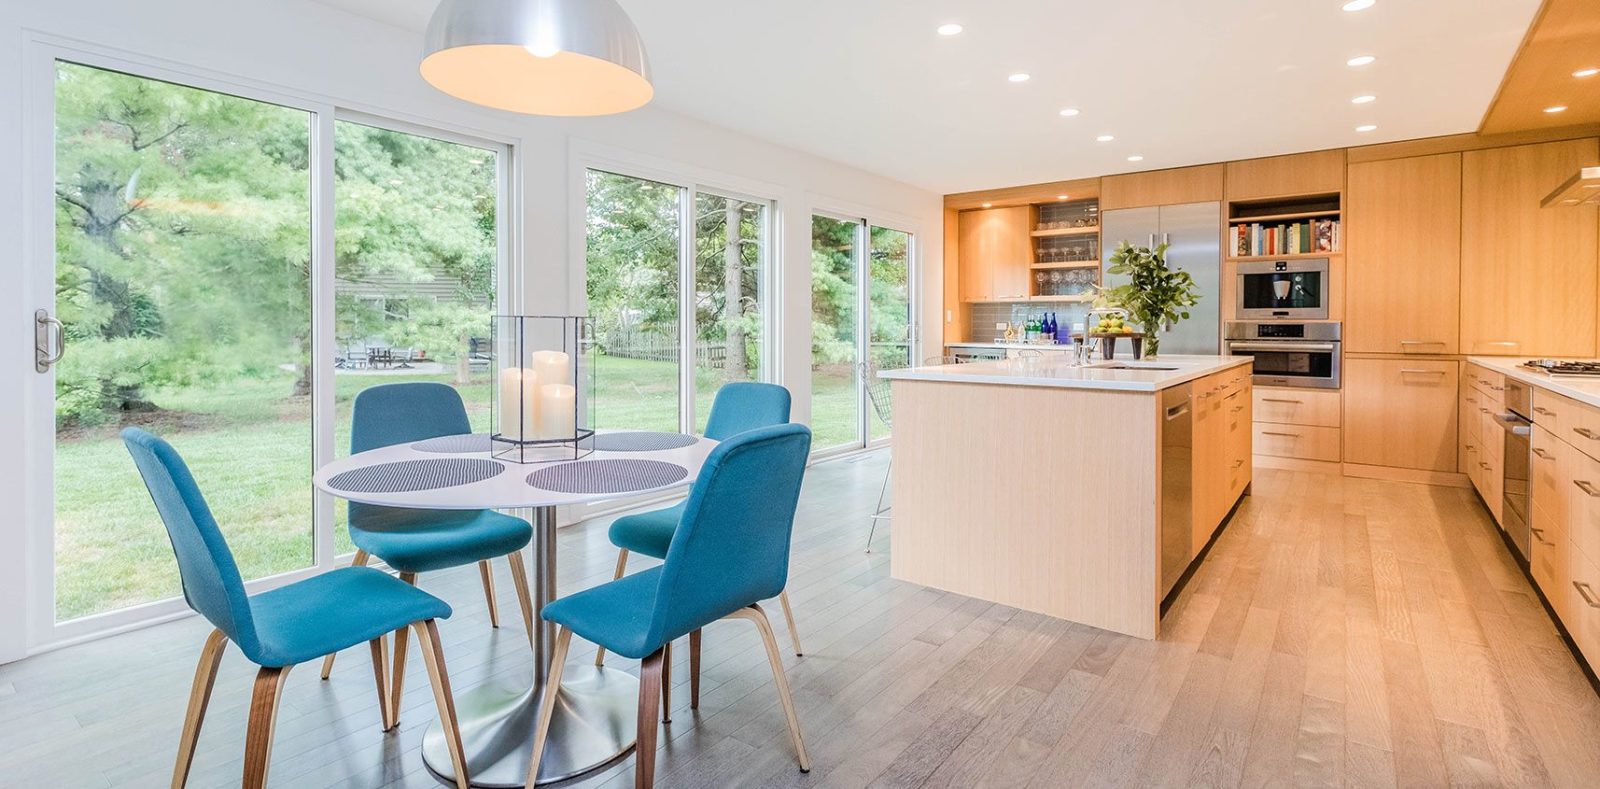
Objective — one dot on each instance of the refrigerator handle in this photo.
(1152, 240)
(1166, 238)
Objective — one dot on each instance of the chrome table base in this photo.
(595, 721)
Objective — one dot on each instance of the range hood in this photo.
(1580, 189)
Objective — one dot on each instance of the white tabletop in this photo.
(506, 490)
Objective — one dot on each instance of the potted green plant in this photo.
(1156, 296)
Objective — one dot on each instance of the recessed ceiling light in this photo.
(1363, 99)
(1556, 109)
(951, 29)
(988, 205)
(1104, 138)
(1020, 77)
(1586, 72)
(1062, 197)
(1136, 158)
(1366, 127)
(1360, 60)
(1359, 5)
(1069, 112)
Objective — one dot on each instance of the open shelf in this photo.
(1066, 231)
(1296, 256)
(1070, 264)
(1080, 298)
(1333, 214)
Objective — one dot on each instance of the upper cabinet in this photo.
(1528, 274)
(1201, 184)
(1403, 252)
(1319, 172)
(996, 248)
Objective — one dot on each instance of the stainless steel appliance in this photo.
(1289, 353)
(1177, 457)
(969, 353)
(1518, 427)
(1279, 289)
(1581, 189)
(1195, 246)
(1560, 369)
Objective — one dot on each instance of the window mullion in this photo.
(323, 343)
(686, 304)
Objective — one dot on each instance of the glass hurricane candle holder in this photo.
(543, 400)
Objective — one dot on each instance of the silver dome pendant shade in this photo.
(539, 57)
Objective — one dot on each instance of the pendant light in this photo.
(539, 57)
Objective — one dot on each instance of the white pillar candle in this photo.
(556, 414)
(552, 367)
(519, 403)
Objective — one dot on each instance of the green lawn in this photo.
(249, 446)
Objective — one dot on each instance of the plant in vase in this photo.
(1156, 296)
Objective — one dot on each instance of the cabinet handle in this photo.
(1541, 453)
(1418, 371)
(1586, 433)
(1587, 593)
(1498, 388)
(1483, 465)
(1288, 435)
(1504, 343)
(1543, 410)
(1280, 400)
(1238, 408)
(1587, 487)
(1539, 535)
(1471, 448)
(1422, 342)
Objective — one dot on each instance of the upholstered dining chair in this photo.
(418, 541)
(738, 407)
(283, 627)
(729, 552)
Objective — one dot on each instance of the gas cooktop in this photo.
(1560, 369)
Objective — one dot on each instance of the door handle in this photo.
(1177, 411)
(43, 358)
(1285, 435)
(1279, 400)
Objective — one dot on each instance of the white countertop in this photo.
(1585, 391)
(1058, 371)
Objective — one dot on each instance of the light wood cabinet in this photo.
(1209, 459)
(995, 251)
(1202, 184)
(1238, 410)
(1401, 413)
(1528, 274)
(1403, 256)
(1287, 406)
(1318, 172)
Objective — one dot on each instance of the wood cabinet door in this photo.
(1209, 458)
(1401, 413)
(1528, 274)
(1403, 256)
(995, 251)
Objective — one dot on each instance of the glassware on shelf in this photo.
(1039, 278)
(1056, 278)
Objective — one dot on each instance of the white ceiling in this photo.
(869, 83)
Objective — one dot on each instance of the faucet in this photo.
(1084, 351)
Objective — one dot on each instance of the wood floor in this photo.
(1341, 631)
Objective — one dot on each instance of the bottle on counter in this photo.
(1032, 332)
(1050, 327)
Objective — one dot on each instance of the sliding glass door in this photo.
(676, 281)
(861, 310)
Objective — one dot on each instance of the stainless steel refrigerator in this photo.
(1194, 231)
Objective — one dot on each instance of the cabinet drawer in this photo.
(1401, 413)
(1583, 429)
(1582, 484)
(1548, 561)
(1551, 490)
(1297, 441)
(1311, 407)
(1490, 384)
(1554, 412)
(1583, 604)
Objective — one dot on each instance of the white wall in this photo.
(323, 54)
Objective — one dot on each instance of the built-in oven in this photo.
(1288, 353)
(1518, 465)
(1283, 289)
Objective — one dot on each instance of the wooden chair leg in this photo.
(547, 703)
(486, 570)
(788, 615)
(401, 638)
(622, 567)
(263, 720)
(666, 682)
(519, 579)
(694, 670)
(439, 679)
(327, 662)
(644, 753)
(380, 673)
(205, 676)
(759, 617)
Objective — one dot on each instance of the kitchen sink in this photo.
(1129, 366)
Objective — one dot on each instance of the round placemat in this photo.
(411, 475)
(474, 442)
(642, 441)
(607, 476)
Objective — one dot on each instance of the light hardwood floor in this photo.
(1341, 631)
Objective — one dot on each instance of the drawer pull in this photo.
(1541, 453)
(1238, 463)
(1286, 435)
(1543, 410)
(1419, 371)
(1280, 400)
(1587, 593)
(1483, 465)
(1586, 433)
(1539, 535)
(1238, 408)
(1587, 487)
(1506, 344)
(1422, 342)
(1471, 448)
(1498, 388)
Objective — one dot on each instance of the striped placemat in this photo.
(455, 445)
(642, 441)
(607, 476)
(412, 475)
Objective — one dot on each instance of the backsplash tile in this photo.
(985, 316)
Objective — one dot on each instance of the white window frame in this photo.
(34, 619)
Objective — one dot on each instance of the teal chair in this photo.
(729, 552)
(417, 541)
(737, 408)
(283, 627)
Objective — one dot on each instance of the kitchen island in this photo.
(1079, 492)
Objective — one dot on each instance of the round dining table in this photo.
(595, 721)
